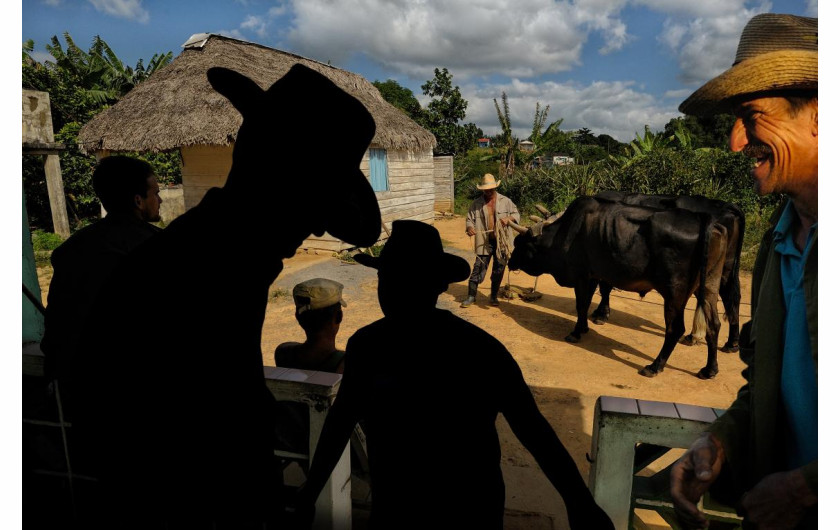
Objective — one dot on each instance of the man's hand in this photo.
(470, 231)
(691, 477)
(505, 221)
(778, 500)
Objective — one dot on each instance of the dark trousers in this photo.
(483, 262)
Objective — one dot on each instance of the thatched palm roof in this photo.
(176, 106)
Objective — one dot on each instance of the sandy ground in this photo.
(566, 379)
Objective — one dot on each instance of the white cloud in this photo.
(513, 37)
(277, 11)
(706, 46)
(130, 9)
(601, 15)
(41, 57)
(254, 24)
(614, 108)
(811, 8)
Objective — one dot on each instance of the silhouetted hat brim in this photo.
(445, 266)
(351, 210)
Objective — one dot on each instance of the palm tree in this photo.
(99, 71)
(538, 136)
(508, 142)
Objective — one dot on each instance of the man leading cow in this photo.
(762, 453)
(488, 221)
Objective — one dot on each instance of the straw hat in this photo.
(416, 245)
(488, 182)
(776, 52)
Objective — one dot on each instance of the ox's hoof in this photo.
(649, 371)
(571, 337)
(730, 349)
(690, 340)
(599, 318)
(706, 373)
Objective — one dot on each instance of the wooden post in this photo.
(37, 127)
(55, 189)
(333, 509)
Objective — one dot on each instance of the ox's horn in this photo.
(520, 229)
(536, 218)
(543, 210)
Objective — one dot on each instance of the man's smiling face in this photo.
(782, 141)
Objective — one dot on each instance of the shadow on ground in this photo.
(532, 502)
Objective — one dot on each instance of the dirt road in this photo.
(566, 379)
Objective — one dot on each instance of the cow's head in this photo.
(530, 252)
(288, 165)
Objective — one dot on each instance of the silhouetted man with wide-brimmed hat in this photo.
(762, 454)
(428, 387)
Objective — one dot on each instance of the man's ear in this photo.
(814, 120)
(138, 201)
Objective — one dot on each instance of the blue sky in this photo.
(609, 65)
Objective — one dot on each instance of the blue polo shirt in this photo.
(799, 378)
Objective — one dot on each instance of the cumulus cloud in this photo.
(811, 8)
(614, 108)
(254, 24)
(129, 9)
(705, 46)
(521, 38)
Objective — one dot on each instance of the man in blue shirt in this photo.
(762, 454)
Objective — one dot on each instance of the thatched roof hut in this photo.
(177, 106)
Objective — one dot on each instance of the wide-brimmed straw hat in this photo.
(488, 182)
(416, 247)
(776, 52)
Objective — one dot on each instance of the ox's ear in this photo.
(242, 92)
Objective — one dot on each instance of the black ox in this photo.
(725, 213)
(634, 248)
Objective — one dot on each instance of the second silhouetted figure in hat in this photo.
(431, 433)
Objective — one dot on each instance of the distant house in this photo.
(176, 108)
(526, 145)
(562, 160)
(484, 142)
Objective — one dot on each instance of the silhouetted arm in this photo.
(535, 433)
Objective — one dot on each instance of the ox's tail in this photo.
(730, 289)
(706, 229)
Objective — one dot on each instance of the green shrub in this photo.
(42, 240)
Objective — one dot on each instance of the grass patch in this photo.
(279, 293)
(347, 256)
